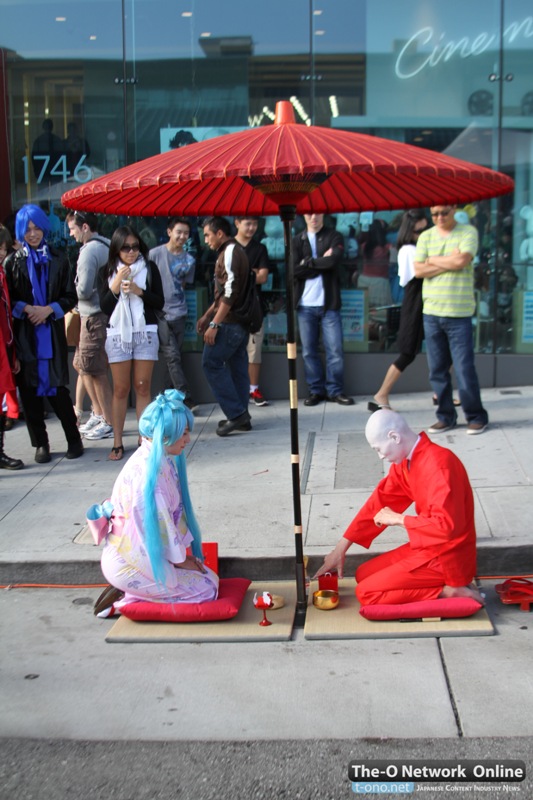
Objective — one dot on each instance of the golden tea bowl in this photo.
(325, 599)
(278, 601)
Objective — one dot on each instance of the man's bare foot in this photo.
(463, 591)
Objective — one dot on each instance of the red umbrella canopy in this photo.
(256, 171)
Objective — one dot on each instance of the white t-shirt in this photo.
(313, 293)
(406, 261)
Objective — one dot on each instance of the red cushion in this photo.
(444, 607)
(231, 593)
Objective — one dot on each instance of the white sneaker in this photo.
(475, 428)
(102, 431)
(91, 423)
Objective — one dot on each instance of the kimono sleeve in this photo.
(172, 525)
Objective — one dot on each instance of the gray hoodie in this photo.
(92, 256)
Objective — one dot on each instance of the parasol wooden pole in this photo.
(287, 214)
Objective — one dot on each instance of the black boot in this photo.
(5, 461)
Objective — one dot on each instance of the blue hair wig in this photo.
(27, 214)
(164, 422)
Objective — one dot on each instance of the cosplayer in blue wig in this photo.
(38, 264)
(42, 291)
(164, 422)
(27, 214)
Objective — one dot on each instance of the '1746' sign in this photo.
(50, 170)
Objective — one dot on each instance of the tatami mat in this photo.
(345, 622)
(242, 628)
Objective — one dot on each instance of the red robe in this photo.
(7, 347)
(442, 536)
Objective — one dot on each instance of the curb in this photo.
(503, 560)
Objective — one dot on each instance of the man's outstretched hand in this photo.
(334, 561)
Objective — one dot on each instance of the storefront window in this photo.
(64, 118)
(86, 91)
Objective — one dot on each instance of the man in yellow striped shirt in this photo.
(443, 258)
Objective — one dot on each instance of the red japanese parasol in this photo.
(284, 169)
(254, 172)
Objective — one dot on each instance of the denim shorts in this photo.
(145, 351)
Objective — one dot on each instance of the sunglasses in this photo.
(443, 213)
(130, 248)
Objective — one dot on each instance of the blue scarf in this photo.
(37, 263)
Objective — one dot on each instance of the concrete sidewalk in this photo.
(62, 681)
(242, 492)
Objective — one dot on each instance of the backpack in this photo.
(249, 313)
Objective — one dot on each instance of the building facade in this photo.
(89, 87)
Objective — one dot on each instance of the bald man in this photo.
(440, 558)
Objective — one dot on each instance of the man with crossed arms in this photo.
(443, 258)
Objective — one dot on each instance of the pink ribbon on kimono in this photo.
(99, 519)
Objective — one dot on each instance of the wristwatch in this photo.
(214, 325)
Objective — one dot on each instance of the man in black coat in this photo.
(317, 253)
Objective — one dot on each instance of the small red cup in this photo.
(329, 580)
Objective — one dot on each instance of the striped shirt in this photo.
(450, 294)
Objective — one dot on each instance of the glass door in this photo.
(514, 266)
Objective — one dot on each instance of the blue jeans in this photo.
(311, 320)
(449, 340)
(226, 368)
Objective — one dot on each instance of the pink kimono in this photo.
(125, 561)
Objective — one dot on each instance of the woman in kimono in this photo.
(145, 555)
